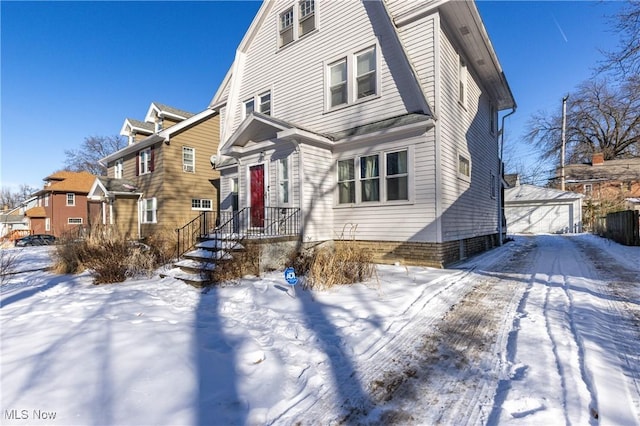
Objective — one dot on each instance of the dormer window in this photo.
(159, 124)
(132, 138)
(305, 16)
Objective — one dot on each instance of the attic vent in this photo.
(464, 30)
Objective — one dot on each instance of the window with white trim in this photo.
(201, 204)
(261, 100)
(382, 177)
(305, 16)
(464, 166)
(118, 168)
(46, 200)
(352, 78)
(283, 181)
(148, 210)
(588, 189)
(397, 176)
(346, 182)
(369, 178)
(366, 73)
(71, 199)
(338, 83)
(286, 27)
(74, 221)
(493, 119)
(47, 224)
(145, 161)
(188, 159)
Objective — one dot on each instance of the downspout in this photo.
(500, 209)
(300, 189)
(139, 217)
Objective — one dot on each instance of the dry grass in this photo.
(245, 262)
(110, 257)
(345, 263)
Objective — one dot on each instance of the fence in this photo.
(622, 227)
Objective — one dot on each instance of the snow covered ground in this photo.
(544, 330)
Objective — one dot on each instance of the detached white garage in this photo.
(535, 210)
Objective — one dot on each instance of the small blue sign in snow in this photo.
(290, 276)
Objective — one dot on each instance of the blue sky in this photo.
(75, 69)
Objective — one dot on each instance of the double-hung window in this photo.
(397, 176)
(346, 182)
(352, 78)
(71, 199)
(118, 168)
(260, 103)
(338, 83)
(148, 210)
(304, 15)
(283, 181)
(382, 177)
(188, 159)
(369, 178)
(366, 73)
(462, 81)
(464, 166)
(307, 18)
(286, 27)
(144, 161)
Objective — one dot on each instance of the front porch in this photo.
(246, 223)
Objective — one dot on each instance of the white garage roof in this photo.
(530, 194)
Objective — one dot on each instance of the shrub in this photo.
(163, 244)
(110, 256)
(245, 262)
(345, 263)
(7, 263)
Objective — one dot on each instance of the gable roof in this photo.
(626, 169)
(163, 110)
(164, 135)
(531, 193)
(105, 186)
(137, 126)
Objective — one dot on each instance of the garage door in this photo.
(540, 219)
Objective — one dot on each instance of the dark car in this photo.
(35, 240)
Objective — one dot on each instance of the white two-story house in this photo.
(375, 120)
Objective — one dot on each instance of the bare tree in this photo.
(626, 59)
(93, 149)
(600, 118)
(10, 199)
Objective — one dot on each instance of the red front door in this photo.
(257, 195)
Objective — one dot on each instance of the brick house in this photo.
(62, 204)
(608, 185)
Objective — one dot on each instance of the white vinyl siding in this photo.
(303, 100)
(468, 151)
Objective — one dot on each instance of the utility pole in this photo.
(564, 142)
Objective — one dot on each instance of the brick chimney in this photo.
(597, 159)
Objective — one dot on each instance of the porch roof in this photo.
(105, 186)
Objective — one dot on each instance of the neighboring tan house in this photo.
(608, 185)
(534, 210)
(372, 120)
(163, 178)
(13, 222)
(62, 204)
